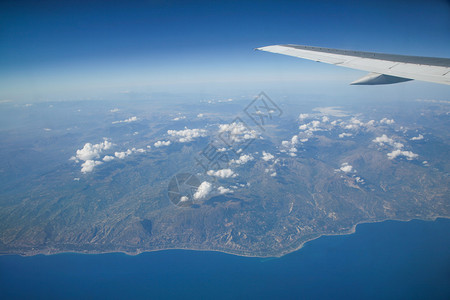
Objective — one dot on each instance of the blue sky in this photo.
(75, 49)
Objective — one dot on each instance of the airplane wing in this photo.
(383, 68)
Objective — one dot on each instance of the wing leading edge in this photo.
(383, 68)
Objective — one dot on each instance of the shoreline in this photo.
(352, 230)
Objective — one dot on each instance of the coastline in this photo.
(288, 250)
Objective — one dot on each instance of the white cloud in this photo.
(187, 135)
(200, 116)
(384, 139)
(184, 198)
(331, 111)
(343, 135)
(417, 138)
(398, 146)
(225, 100)
(346, 168)
(91, 151)
(223, 190)
(287, 144)
(325, 119)
(351, 127)
(237, 131)
(108, 158)
(203, 190)
(132, 119)
(179, 118)
(359, 180)
(243, 159)
(396, 153)
(273, 174)
(314, 124)
(311, 127)
(224, 173)
(387, 121)
(267, 156)
(162, 143)
(114, 110)
(356, 121)
(88, 165)
(303, 116)
(122, 155)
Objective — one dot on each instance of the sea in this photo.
(387, 260)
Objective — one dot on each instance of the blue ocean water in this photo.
(389, 260)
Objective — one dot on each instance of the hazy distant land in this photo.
(95, 177)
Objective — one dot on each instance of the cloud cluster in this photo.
(224, 173)
(267, 156)
(203, 190)
(162, 143)
(122, 155)
(397, 152)
(353, 124)
(89, 153)
(331, 111)
(384, 139)
(387, 121)
(243, 159)
(129, 120)
(92, 151)
(271, 170)
(290, 146)
(187, 135)
(237, 131)
(301, 117)
(311, 126)
(408, 154)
